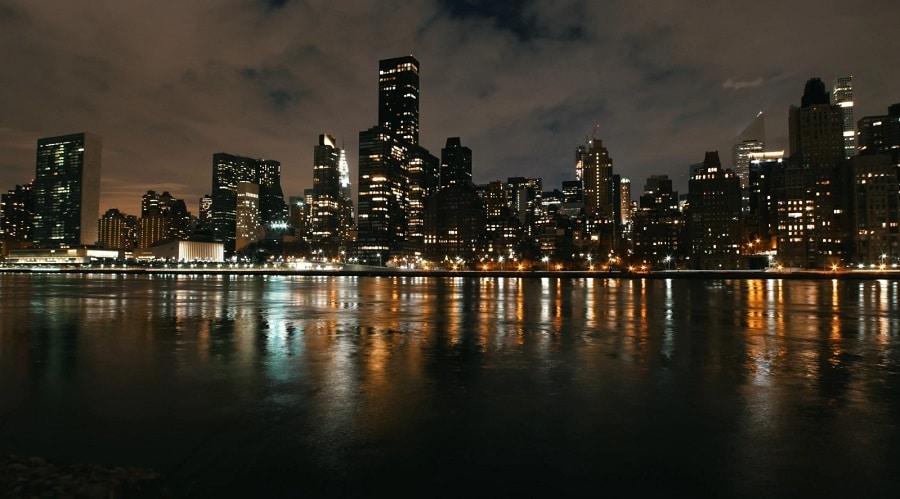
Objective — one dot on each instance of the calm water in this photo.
(447, 387)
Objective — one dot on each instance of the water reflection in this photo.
(350, 376)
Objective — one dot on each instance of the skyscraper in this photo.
(383, 188)
(751, 140)
(843, 97)
(67, 190)
(597, 177)
(228, 171)
(813, 187)
(398, 97)
(456, 163)
(248, 227)
(332, 211)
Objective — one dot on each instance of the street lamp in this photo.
(546, 260)
(667, 259)
(883, 256)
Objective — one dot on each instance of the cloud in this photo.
(167, 84)
(731, 84)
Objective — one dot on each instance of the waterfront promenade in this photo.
(364, 271)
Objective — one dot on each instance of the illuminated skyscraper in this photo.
(751, 140)
(248, 227)
(228, 171)
(597, 178)
(843, 97)
(67, 190)
(383, 201)
(398, 97)
(331, 210)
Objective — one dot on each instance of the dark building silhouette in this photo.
(456, 163)
(67, 191)
(714, 217)
(813, 188)
(880, 134)
(455, 216)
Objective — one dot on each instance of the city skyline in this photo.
(522, 84)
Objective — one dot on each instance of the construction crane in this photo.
(594, 133)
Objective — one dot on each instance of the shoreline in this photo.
(479, 274)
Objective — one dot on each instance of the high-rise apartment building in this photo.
(843, 97)
(118, 230)
(597, 179)
(67, 190)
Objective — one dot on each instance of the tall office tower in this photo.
(880, 134)
(228, 171)
(272, 209)
(423, 173)
(67, 190)
(455, 215)
(331, 214)
(714, 216)
(248, 221)
(843, 97)
(456, 163)
(383, 201)
(118, 230)
(597, 178)
(751, 140)
(398, 97)
(17, 214)
(814, 186)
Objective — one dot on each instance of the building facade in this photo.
(67, 190)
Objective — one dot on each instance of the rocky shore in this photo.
(31, 477)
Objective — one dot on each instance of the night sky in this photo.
(169, 83)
